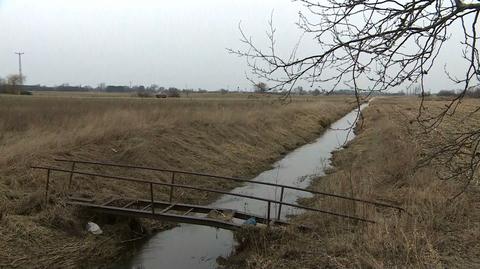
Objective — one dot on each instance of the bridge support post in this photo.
(268, 213)
(151, 199)
(46, 188)
(280, 204)
(71, 175)
(171, 187)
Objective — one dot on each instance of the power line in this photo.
(20, 65)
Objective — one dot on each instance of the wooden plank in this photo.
(188, 211)
(207, 209)
(168, 208)
(130, 203)
(181, 217)
(109, 201)
(160, 216)
(146, 207)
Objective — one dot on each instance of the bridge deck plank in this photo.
(181, 215)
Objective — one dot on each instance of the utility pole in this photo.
(20, 65)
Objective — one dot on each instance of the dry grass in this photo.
(234, 136)
(380, 165)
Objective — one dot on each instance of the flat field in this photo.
(232, 135)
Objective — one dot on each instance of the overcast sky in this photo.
(179, 43)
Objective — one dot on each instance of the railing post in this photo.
(46, 188)
(71, 175)
(171, 187)
(151, 198)
(280, 204)
(268, 213)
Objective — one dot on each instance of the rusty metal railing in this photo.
(281, 186)
(173, 185)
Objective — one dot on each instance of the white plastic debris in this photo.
(93, 228)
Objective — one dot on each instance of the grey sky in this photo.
(170, 43)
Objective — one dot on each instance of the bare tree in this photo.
(14, 83)
(373, 46)
(153, 87)
(173, 92)
(3, 83)
(384, 42)
(261, 87)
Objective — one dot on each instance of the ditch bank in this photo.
(193, 246)
(207, 141)
(380, 165)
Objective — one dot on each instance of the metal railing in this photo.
(281, 186)
(152, 183)
(172, 186)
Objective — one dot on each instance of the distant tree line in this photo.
(12, 84)
(472, 92)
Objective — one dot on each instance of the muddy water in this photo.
(193, 246)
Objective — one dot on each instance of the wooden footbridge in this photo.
(172, 211)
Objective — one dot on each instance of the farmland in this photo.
(237, 135)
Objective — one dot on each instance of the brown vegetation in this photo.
(12, 84)
(381, 164)
(236, 137)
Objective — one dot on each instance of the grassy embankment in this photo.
(233, 137)
(380, 165)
